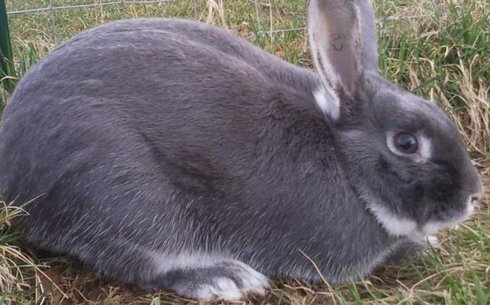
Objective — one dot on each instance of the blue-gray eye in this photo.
(406, 143)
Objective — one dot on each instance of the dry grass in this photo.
(439, 49)
(17, 269)
(457, 273)
(443, 54)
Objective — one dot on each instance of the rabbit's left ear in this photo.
(343, 44)
(369, 40)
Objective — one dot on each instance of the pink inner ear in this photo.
(337, 43)
(342, 56)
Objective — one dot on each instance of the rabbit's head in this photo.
(401, 153)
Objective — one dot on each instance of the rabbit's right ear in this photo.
(343, 44)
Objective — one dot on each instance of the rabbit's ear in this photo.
(369, 56)
(343, 44)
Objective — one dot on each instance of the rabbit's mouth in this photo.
(399, 226)
(432, 226)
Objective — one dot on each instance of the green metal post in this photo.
(7, 69)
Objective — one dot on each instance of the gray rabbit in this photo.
(170, 153)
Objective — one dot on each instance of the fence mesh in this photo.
(263, 11)
(37, 26)
(278, 26)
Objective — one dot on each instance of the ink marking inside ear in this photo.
(337, 41)
(324, 68)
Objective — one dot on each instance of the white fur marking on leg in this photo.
(222, 289)
(167, 262)
(253, 281)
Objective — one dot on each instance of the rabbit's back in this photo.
(126, 127)
(168, 81)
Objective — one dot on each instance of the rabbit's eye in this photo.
(406, 143)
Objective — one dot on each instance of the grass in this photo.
(443, 54)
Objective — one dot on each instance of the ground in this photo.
(437, 49)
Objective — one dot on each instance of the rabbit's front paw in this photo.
(410, 247)
(227, 280)
(433, 241)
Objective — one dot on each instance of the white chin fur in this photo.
(394, 225)
(400, 226)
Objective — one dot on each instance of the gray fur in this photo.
(369, 39)
(149, 138)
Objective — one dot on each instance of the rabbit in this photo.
(172, 154)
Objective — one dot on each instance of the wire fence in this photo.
(54, 13)
(80, 6)
(51, 8)
(39, 25)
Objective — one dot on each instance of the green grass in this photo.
(444, 56)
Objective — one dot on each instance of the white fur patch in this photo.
(433, 241)
(253, 281)
(425, 147)
(165, 263)
(394, 225)
(328, 103)
(423, 240)
(222, 289)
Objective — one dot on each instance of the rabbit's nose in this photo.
(474, 198)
